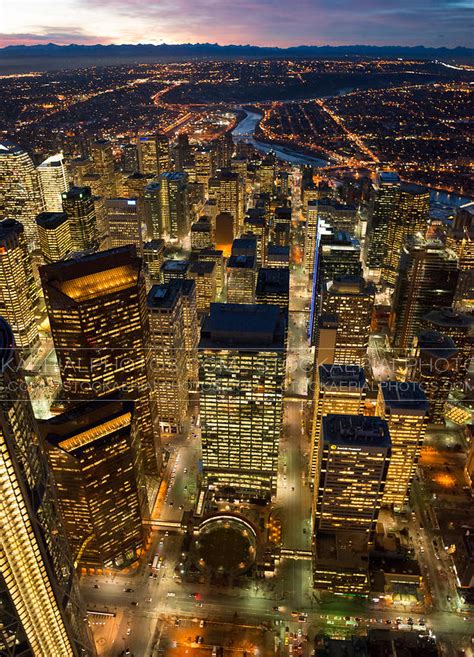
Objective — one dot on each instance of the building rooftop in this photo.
(447, 317)
(244, 246)
(202, 267)
(9, 226)
(52, 161)
(347, 376)
(154, 245)
(388, 177)
(51, 220)
(356, 431)
(163, 297)
(76, 193)
(349, 285)
(241, 262)
(273, 281)
(240, 326)
(177, 266)
(436, 344)
(276, 250)
(404, 395)
(8, 147)
(203, 224)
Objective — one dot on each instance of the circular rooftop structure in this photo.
(225, 545)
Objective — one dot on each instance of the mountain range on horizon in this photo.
(216, 50)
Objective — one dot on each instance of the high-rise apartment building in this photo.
(410, 218)
(78, 204)
(384, 206)
(242, 367)
(18, 293)
(351, 299)
(20, 192)
(354, 459)
(54, 234)
(340, 390)
(99, 322)
(174, 205)
(427, 279)
(124, 220)
(169, 359)
(94, 451)
(404, 406)
(40, 610)
(53, 182)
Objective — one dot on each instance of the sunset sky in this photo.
(261, 22)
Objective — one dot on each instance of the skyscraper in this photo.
(410, 217)
(204, 274)
(242, 366)
(311, 236)
(54, 233)
(354, 459)
(404, 406)
(124, 220)
(427, 279)
(174, 205)
(273, 287)
(53, 182)
(351, 299)
(20, 193)
(152, 210)
(241, 279)
(78, 204)
(104, 165)
(154, 257)
(384, 206)
(167, 339)
(18, 293)
(99, 322)
(229, 197)
(201, 234)
(339, 389)
(266, 175)
(94, 451)
(40, 610)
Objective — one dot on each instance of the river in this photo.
(441, 202)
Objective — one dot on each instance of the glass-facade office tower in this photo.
(154, 154)
(78, 204)
(54, 234)
(384, 205)
(404, 406)
(99, 322)
(152, 210)
(410, 218)
(427, 279)
(40, 609)
(53, 182)
(174, 204)
(351, 299)
(20, 193)
(124, 222)
(18, 293)
(94, 451)
(169, 372)
(241, 374)
(339, 389)
(354, 459)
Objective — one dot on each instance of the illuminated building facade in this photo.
(215, 256)
(103, 158)
(427, 279)
(266, 176)
(273, 287)
(174, 204)
(78, 204)
(201, 234)
(241, 373)
(172, 269)
(99, 322)
(354, 458)
(311, 234)
(384, 206)
(241, 279)
(325, 339)
(230, 198)
(170, 379)
(152, 210)
(405, 408)
(20, 193)
(460, 238)
(154, 257)
(204, 167)
(124, 221)
(18, 293)
(54, 234)
(204, 274)
(410, 218)
(339, 216)
(40, 610)
(255, 223)
(340, 390)
(352, 300)
(277, 256)
(224, 232)
(53, 182)
(435, 369)
(94, 451)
